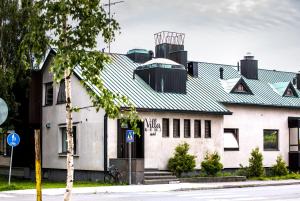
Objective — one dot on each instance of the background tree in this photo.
(13, 75)
(72, 27)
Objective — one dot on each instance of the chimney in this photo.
(249, 67)
(170, 45)
(193, 69)
(298, 80)
(221, 73)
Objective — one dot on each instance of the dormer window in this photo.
(290, 92)
(241, 87)
(285, 89)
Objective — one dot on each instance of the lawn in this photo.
(20, 184)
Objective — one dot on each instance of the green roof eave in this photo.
(183, 111)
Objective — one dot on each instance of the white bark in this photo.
(70, 141)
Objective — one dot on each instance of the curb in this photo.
(237, 186)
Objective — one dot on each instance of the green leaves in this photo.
(72, 27)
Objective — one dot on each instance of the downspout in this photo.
(105, 142)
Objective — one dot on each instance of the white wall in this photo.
(251, 121)
(159, 149)
(89, 130)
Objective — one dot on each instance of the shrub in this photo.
(243, 171)
(256, 168)
(280, 168)
(181, 161)
(211, 164)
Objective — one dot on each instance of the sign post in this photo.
(13, 140)
(129, 139)
(38, 174)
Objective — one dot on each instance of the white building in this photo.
(212, 107)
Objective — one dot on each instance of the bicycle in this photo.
(112, 175)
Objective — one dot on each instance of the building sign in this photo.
(152, 126)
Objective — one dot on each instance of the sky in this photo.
(216, 31)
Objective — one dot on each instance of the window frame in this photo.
(61, 151)
(277, 140)
(176, 136)
(199, 132)
(61, 91)
(166, 135)
(187, 131)
(235, 131)
(207, 135)
(46, 85)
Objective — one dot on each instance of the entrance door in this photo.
(137, 147)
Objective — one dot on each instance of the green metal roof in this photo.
(263, 93)
(205, 94)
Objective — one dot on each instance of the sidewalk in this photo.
(158, 187)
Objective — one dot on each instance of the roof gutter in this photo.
(181, 111)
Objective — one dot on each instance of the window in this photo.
(64, 145)
(231, 139)
(290, 91)
(271, 140)
(48, 94)
(241, 87)
(176, 128)
(165, 128)
(207, 129)
(187, 128)
(197, 128)
(61, 97)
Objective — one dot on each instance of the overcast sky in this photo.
(217, 31)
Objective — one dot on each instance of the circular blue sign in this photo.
(13, 139)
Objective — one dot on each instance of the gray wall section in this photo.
(79, 175)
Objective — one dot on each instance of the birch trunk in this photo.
(70, 141)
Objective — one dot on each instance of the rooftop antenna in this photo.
(109, 4)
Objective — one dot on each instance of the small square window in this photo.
(197, 128)
(48, 93)
(64, 144)
(207, 129)
(187, 128)
(176, 128)
(271, 140)
(165, 128)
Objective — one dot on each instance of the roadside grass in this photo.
(21, 184)
(291, 175)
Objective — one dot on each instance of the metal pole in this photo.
(11, 157)
(38, 177)
(129, 166)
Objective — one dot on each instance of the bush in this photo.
(256, 168)
(242, 171)
(211, 164)
(182, 161)
(280, 168)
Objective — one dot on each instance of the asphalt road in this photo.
(282, 193)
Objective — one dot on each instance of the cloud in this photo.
(218, 31)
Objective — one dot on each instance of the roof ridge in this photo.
(280, 71)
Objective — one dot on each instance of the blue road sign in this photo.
(13, 139)
(129, 136)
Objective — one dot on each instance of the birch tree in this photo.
(72, 27)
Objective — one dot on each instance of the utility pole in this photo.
(109, 4)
